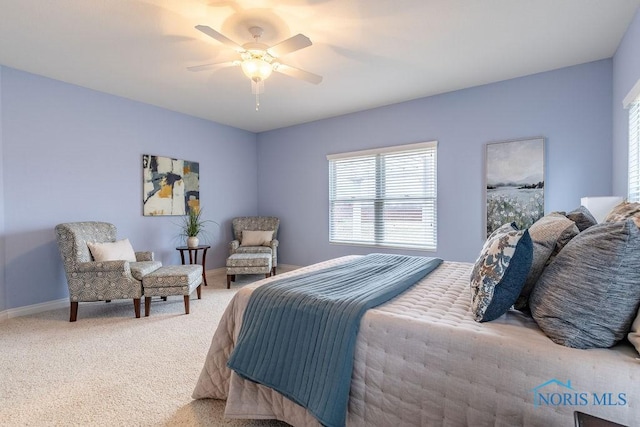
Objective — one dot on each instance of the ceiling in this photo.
(370, 52)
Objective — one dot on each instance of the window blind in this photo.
(634, 151)
(385, 197)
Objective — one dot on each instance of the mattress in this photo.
(422, 360)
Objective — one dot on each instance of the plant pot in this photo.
(193, 242)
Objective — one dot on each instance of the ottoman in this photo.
(242, 263)
(172, 280)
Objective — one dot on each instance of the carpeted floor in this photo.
(111, 369)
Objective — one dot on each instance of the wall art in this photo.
(170, 186)
(514, 182)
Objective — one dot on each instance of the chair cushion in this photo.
(249, 260)
(112, 251)
(173, 276)
(172, 280)
(142, 268)
(254, 250)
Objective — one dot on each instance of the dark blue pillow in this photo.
(500, 272)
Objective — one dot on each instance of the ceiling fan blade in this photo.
(213, 66)
(220, 37)
(289, 45)
(297, 73)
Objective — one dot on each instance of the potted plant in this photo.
(192, 226)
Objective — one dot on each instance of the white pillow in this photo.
(112, 251)
(256, 238)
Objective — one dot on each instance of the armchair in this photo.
(90, 280)
(256, 223)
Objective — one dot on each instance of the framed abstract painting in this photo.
(170, 186)
(514, 183)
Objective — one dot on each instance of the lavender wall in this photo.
(626, 72)
(570, 107)
(71, 154)
(3, 301)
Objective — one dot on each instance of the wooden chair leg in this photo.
(186, 304)
(198, 291)
(273, 273)
(74, 311)
(267, 275)
(136, 307)
(147, 306)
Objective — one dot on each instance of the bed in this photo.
(421, 359)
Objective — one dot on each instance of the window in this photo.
(384, 197)
(634, 152)
(632, 102)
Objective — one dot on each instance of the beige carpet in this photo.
(111, 369)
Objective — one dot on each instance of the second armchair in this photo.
(256, 235)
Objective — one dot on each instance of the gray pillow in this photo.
(500, 271)
(582, 217)
(549, 234)
(589, 295)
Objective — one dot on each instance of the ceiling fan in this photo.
(258, 60)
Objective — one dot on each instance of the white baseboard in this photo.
(34, 308)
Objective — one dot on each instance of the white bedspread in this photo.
(422, 360)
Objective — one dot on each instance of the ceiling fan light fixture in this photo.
(256, 68)
(258, 61)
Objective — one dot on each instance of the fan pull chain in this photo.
(257, 87)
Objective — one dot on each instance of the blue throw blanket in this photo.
(298, 335)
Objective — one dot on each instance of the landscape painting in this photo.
(170, 186)
(515, 183)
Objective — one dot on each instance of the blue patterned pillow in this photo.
(500, 272)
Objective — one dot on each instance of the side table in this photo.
(193, 257)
